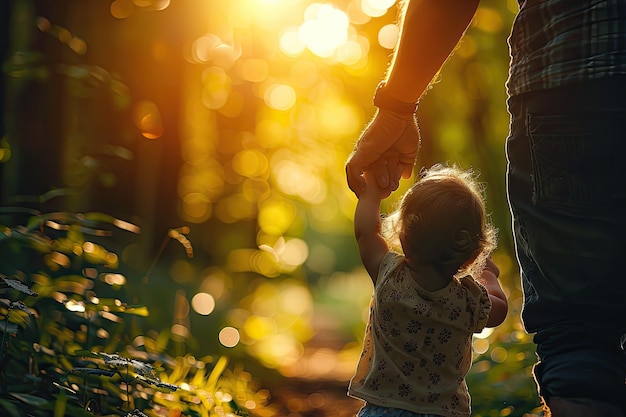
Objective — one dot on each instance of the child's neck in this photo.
(427, 276)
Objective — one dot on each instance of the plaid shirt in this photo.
(559, 42)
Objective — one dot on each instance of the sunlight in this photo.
(75, 306)
(297, 179)
(290, 42)
(280, 97)
(217, 87)
(296, 300)
(376, 8)
(324, 30)
(388, 36)
(114, 279)
(259, 327)
(250, 163)
(294, 253)
(229, 337)
(202, 48)
(203, 303)
(276, 216)
(278, 351)
(148, 119)
(196, 207)
(255, 70)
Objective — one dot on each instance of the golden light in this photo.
(254, 70)
(353, 51)
(196, 207)
(203, 303)
(229, 337)
(304, 73)
(59, 259)
(337, 116)
(280, 97)
(114, 279)
(148, 119)
(224, 56)
(297, 179)
(324, 29)
(498, 354)
(259, 328)
(480, 346)
(290, 43)
(75, 306)
(276, 216)
(294, 253)
(271, 133)
(376, 8)
(356, 14)
(296, 300)
(180, 330)
(488, 20)
(250, 163)
(388, 36)
(217, 87)
(233, 208)
(202, 48)
(279, 351)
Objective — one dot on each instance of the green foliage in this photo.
(67, 352)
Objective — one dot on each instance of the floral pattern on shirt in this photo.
(417, 345)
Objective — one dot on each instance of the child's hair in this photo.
(442, 220)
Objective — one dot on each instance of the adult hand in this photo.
(388, 147)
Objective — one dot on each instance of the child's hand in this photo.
(372, 189)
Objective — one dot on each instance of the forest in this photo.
(176, 231)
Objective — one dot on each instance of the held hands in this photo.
(388, 148)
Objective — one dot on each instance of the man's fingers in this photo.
(353, 174)
(406, 170)
(381, 173)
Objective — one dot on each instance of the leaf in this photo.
(158, 383)
(217, 372)
(137, 311)
(9, 328)
(94, 371)
(30, 399)
(86, 354)
(13, 283)
(10, 408)
(21, 306)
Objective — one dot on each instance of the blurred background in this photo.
(187, 156)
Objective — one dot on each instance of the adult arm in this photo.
(429, 32)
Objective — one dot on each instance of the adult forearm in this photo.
(430, 31)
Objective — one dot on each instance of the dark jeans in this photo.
(566, 184)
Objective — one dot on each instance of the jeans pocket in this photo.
(576, 165)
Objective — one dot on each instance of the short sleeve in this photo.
(390, 261)
(478, 301)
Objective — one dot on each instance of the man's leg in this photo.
(582, 407)
(566, 176)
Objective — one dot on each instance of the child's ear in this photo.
(472, 258)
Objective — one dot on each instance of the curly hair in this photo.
(442, 220)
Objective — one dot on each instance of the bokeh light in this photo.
(229, 337)
(203, 303)
(148, 119)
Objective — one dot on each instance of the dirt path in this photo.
(305, 398)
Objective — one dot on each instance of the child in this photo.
(426, 303)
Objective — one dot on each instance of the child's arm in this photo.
(499, 304)
(367, 228)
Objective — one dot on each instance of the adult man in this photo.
(565, 177)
